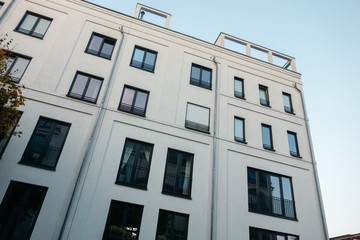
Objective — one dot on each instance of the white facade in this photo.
(88, 165)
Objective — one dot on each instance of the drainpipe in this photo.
(6, 10)
(314, 165)
(75, 197)
(215, 157)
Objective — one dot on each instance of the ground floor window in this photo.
(172, 226)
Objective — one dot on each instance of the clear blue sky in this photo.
(324, 37)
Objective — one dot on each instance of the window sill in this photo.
(265, 105)
(131, 185)
(37, 165)
(176, 195)
(296, 156)
(290, 112)
(240, 141)
(15, 30)
(270, 149)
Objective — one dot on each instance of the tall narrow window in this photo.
(197, 118)
(270, 194)
(134, 100)
(16, 66)
(5, 139)
(46, 143)
(100, 45)
(178, 173)
(264, 95)
(34, 25)
(267, 137)
(135, 164)
(172, 225)
(293, 144)
(123, 221)
(262, 234)
(239, 88)
(287, 103)
(200, 76)
(85, 87)
(19, 210)
(239, 129)
(144, 59)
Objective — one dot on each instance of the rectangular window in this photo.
(85, 87)
(197, 118)
(172, 225)
(16, 66)
(144, 59)
(100, 45)
(267, 137)
(34, 25)
(5, 139)
(134, 100)
(239, 88)
(262, 234)
(135, 164)
(19, 210)
(270, 194)
(178, 173)
(264, 95)
(293, 144)
(200, 76)
(123, 222)
(239, 129)
(46, 143)
(287, 103)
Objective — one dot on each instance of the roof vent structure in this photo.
(141, 10)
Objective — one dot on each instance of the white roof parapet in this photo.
(140, 8)
(287, 62)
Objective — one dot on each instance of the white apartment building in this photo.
(135, 131)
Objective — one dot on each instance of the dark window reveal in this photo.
(172, 225)
(34, 25)
(134, 100)
(264, 96)
(293, 144)
(16, 66)
(287, 103)
(85, 87)
(239, 88)
(267, 137)
(144, 59)
(101, 46)
(197, 118)
(239, 129)
(200, 76)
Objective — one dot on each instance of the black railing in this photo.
(239, 94)
(177, 184)
(196, 126)
(133, 175)
(200, 83)
(132, 109)
(264, 102)
(271, 205)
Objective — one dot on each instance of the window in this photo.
(264, 96)
(267, 137)
(16, 66)
(144, 59)
(293, 144)
(1, 5)
(134, 100)
(270, 194)
(200, 76)
(172, 225)
(85, 87)
(19, 210)
(34, 25)
(261, 234)
(239, 129)
(197, 118)
(135, 164)
(239, 88)
(46, 143)
(287, 103)
(5, 140)
(101, 46)
(178, 173)
(123, 221)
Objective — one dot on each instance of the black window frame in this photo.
(28, 191)
(171, 214)
(264, 102)
(132, 107)
(292, 153)
(237, 138)
(105, 39)
(273, 234)
(83, 97)
(238, 94)
(176, 188)
(194, 125)
(142, 67)
(199, 82)
(286, 108)
(6, 140)
(124, 219)
(265, 146)
(45, 147)
(132, 182)
(31, 33)
(267, 204)
(16, 56)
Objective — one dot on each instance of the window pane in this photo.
(149, 61)
(140, 101)
(41, 27)
(239, 129)
(286, 185)
(206, 76)
(275, 195)
(292, 144)
(107, 49)
(95, 44)
(172, 225)
(19, 68)
(266, 137)
(28, 23)
(138, 58)
(128, 96)
(93, 90)
(127, 162)
(195, 73)
(262, 94)
(238, 87)
(197, 114)
(79, 85)
(286, 99)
